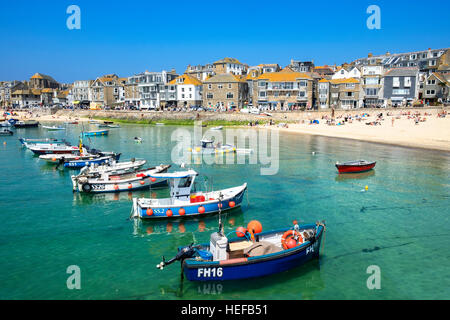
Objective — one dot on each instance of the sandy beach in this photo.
(431, 132)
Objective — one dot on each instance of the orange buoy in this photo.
(232, 204)
(181, 212)
(149, 212)
(169, 213)
(291, 234)
(142, 182)
(201, 209)
(153, 179)
(254, 226)
(116, 187)
(241, 231)
(130, 186)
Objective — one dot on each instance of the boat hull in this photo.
(343, 168)
(78, 164)
(190, 209)
(253, 267)
(96, 133)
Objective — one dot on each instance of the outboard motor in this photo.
(218, 246)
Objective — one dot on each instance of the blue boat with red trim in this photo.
(252, 254)
(183, 202)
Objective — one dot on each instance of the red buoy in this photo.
(153, 179)
(240, 232)
(291, 243)
(142, 182)
(130, 186)
(232, 204)
(201, 209)
(116, 187)
(169, 213)
(149, 212)
(182, 212)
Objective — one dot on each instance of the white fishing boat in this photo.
(114, 167)
(111, 182)
(217, 128)
(184, 201)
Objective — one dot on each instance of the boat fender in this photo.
(86, 187)
(291, 234)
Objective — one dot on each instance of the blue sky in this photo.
(133, 36)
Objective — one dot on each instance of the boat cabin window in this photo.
(185, 182)
(207, 144)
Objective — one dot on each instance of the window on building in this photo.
(220, 86)
(432, 63)
(209, 86)
(209, 95)
(396, 82)
(407, 82)
(230, 95)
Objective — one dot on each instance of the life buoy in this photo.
(86, 187)
(291, 234)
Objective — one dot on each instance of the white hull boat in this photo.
(114, 167)
(124, 182)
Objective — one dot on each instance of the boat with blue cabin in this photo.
(184, 201)
(95, 133)
(81, 163)
(251, 254)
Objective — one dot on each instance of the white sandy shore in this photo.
(433, 133)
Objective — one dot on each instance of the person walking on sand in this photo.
(393, 119)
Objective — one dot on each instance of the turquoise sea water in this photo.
(399, 224)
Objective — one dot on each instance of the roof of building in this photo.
(407, 72)
(441, 77)
(228, 60)
(186, 80)
(224, 77)
(283, 76)
(348, 80)
(324, 80)
(42, 76)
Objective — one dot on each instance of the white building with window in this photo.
(188, 91)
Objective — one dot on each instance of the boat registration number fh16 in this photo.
(209, 272)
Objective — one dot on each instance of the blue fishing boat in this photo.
(95, 133)
(78, 164)
(250, 255)
(183, 202)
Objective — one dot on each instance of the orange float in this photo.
(169, 213)
(116, 187)
(232, 204)
(241, 231)
(142, 182)
(287, 236)
(201, 209)
(182, 212)
(153, 179)
(149, 212)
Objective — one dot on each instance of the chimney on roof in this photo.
(388, 53)
(370, 55)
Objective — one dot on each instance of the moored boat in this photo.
(208, 147)
(41, 141)
(252, 254)
(183, 202)
(81, 163)
(6, 132)
(40, 149)
(355, 166)
(26, 124)
(53, 128)
(114, 167)
(95, 133)
(112, 182)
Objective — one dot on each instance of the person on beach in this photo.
(393, 119)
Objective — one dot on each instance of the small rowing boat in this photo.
(183, 202)
(53, 128)
(252, 254)
(355, 166)
(95, 133)
(207, 147)
(111, 182)
(217, 128)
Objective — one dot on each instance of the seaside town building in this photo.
(104, 91)
(81, 91)
(200, 72)
(284, 90)
(324, 93)
(132, 93)
(345, 93)
(150, 86)
(42, 81)
(230, 65)
(372, 86)
(401, 86)
(436, 88)
(224, 92)
(188, 91)
(301, 66)
(6, 87)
